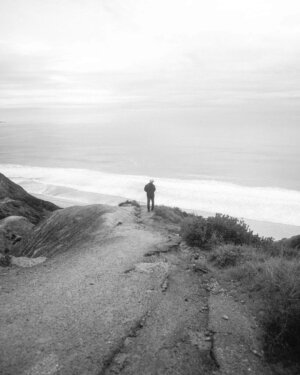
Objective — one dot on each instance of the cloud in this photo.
(149, 53)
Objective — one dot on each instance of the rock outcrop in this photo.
(15, 201)
(19, 212)
(71, 227)
(12, 230)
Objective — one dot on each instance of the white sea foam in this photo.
(257, 203)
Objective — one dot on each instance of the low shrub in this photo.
(280, 249)
(292, 242)
(201, 232)
(280, 280)
(170, 214)
(196, 232)
(246, 272)
(276, 282)
(227, 256)
(129, 203)
(233, 230)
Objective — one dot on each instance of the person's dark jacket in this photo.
(150, 189)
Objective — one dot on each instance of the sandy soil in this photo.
(79, 311)
(128, 300)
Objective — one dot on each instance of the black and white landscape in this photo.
(99, 97)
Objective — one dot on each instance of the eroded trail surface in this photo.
(124, 301)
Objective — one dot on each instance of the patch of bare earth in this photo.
(126, 297)
(123, 300)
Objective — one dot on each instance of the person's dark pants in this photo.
(150, 199)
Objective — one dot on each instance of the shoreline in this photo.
(263, 228)
(268, 204)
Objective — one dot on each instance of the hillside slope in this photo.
(65, 229)
(14, 200)
(118, 294)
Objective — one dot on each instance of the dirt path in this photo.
(126, 302)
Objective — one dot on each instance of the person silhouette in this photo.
(150, 189)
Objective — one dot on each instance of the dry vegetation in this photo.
(269, 270)
(173, 215)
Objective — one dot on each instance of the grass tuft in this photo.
(280, 282)
(169, 214)
(129, 203)
(226, 256)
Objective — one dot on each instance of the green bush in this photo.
(196, 232)
(232, 230)
(292, 242)
(201, 232)
(281, 249)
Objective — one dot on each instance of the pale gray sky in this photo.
(151, 54)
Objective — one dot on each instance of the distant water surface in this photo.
(250, 157)
(248, 172)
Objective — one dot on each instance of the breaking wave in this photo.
(88, 186)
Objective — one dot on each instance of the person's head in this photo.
(151, 181)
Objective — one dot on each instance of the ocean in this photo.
(237, 171)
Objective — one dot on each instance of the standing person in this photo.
(150, 189)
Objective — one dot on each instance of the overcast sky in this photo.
(172, 54)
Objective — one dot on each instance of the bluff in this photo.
(19, 213)
(74, 228)
(15, 201)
